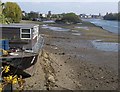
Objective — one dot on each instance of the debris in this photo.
(51, 79)
(55, 48)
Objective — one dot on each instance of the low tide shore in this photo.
(69, 61)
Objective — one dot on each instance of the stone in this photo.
(51, 78)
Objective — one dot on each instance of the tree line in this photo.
(59, 18)
(10, 12)
(112, 16)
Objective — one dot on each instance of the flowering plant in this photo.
(11, 79)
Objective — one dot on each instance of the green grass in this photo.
(29, 22)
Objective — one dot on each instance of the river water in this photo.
(111, 26)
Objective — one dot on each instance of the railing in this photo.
(38, 46)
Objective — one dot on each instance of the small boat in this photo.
(21, 60)
(26, 58)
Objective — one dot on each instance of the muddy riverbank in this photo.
(71, 62)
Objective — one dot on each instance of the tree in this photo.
(3, 19)
(111, 16)
(13, 12)
(0, 7)
(33, 15)
(71, 18)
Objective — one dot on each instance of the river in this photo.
(111, 26)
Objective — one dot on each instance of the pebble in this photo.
(51, 79)
(65, 62)
(55, 48)
(107, 82)
(102, 77)
(62, 53)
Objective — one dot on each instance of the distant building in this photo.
(84, 16)
(44, 15)
(97, 16)
(49, 14)
(89, 16)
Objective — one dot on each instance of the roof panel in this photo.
(18, 25)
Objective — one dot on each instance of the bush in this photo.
(70, 18)
(112, 16)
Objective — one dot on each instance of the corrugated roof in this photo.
(18, 25)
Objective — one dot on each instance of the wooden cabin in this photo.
(20, 35)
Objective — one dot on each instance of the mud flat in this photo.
(71, 62)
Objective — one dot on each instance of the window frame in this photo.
(25, 33)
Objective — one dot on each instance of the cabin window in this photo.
(25, 36)
(25, 33)
(25, 30)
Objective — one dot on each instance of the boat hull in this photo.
(21, 62)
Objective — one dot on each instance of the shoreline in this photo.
(102, 27)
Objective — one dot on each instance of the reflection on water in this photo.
(55, 28)
(105, 46)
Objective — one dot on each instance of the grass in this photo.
(99, 33)
(29, 22)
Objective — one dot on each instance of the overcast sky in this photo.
(60, 6)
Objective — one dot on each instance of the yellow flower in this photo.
(1, 89)
(14, 81)
(11, 79)
(7, 69)
(8, 79)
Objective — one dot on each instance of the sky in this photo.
(62, 0)
(62, 6)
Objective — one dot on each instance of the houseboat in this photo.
(24, 44)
